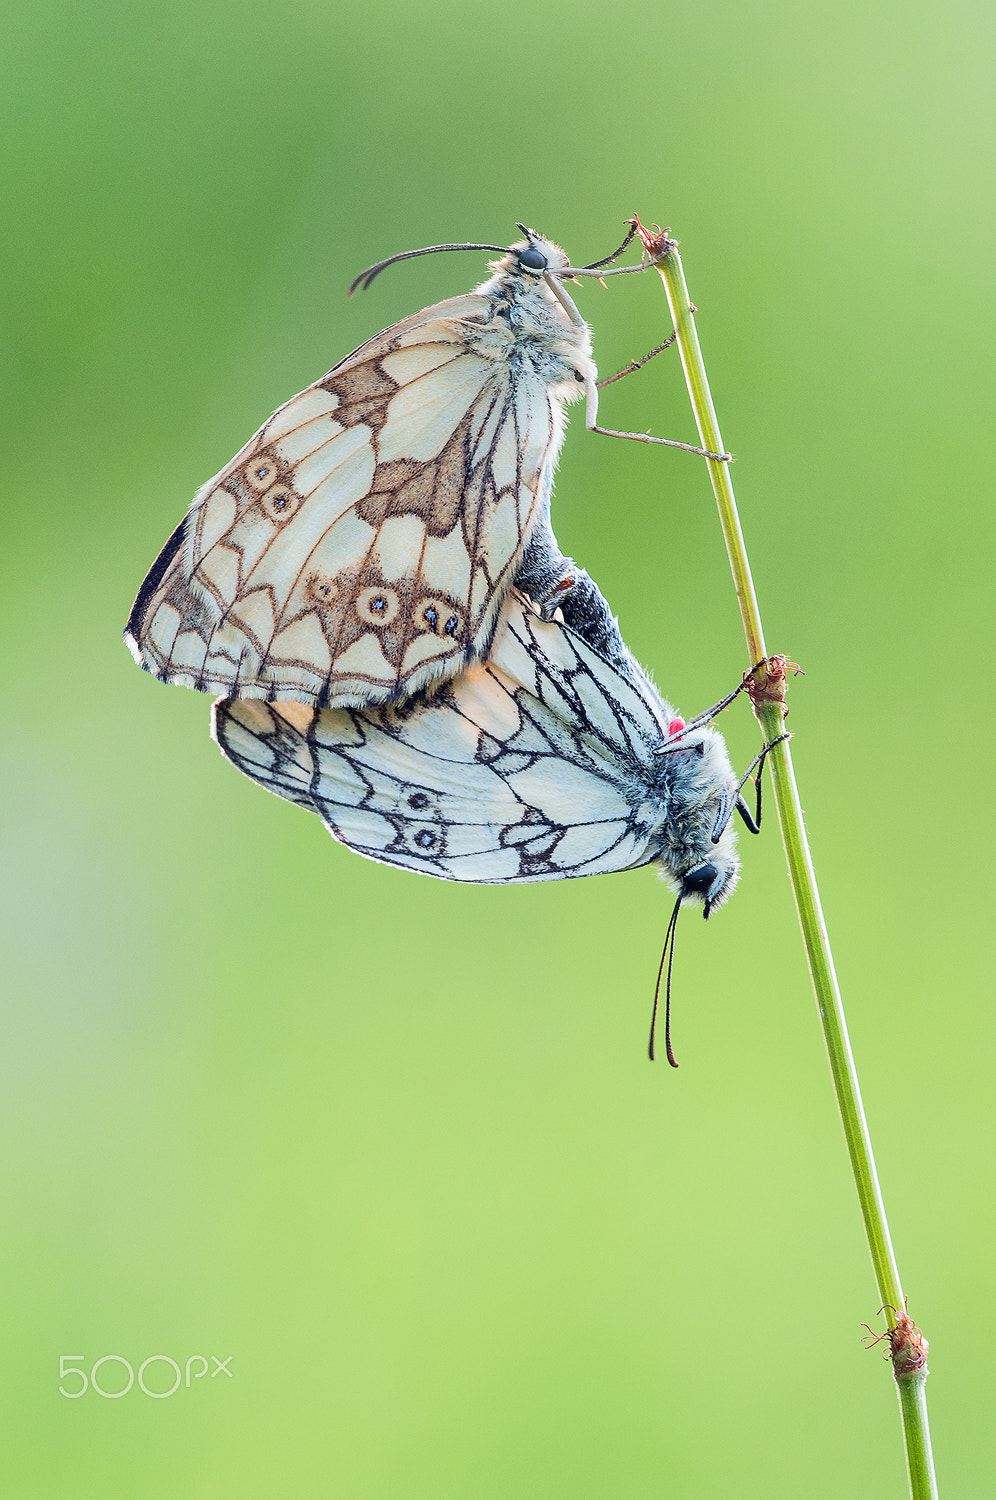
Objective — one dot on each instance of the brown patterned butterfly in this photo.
(359, 547)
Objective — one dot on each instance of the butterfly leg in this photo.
(635, 364)
(645, 437)
(591, 422)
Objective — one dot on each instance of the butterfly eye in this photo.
(700, 881)
(532, 259)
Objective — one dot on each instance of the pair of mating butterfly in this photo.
(374, 587)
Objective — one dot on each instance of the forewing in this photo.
(359, 545)
(497, 778)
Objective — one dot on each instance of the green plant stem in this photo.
(916, 1431)
(807, 899)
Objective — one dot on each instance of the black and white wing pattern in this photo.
(547, 762)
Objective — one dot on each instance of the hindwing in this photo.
(537, 766)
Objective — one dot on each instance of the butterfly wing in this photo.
(358, 547)
(536, 766)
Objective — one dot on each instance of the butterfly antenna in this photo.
(668, 953)
(616, 253)
(366, 277)
(736, 803)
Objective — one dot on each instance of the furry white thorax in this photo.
(535, 328)
(694, 783)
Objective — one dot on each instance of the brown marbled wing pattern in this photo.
(359, 545)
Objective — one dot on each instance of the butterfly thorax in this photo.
(528, 328)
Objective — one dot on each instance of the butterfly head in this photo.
(698, 854)
(710, 882)
(700, 863)
(534, 256)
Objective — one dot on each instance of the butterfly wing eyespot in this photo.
(262, 472)
(322, 589)
(279, 503)
(359, 547)
(377, 606)
(441, 617)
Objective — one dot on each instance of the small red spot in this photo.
(675, 726)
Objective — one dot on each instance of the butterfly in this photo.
(547, 762)
(359, 546)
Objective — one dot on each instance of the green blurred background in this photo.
(392, 1144)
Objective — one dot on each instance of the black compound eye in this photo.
(532, 259)
(700, 881)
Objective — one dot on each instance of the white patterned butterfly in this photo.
(548, 761)
(359, 546)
